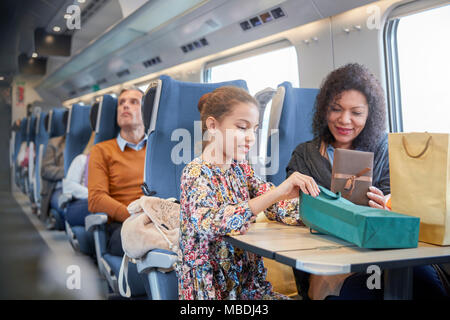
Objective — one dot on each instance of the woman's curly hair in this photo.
(352, 77)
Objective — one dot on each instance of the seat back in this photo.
(173, 134)
(12, 140)
(31, 134)
(39, 115)
(34, 124)
(35, 132)
(173, 126)
(56, 122)
(106, 127)
(290, 124)
(256, 156)
(50, 124)
(16, 141)
(103, 119)
(19, 137)
(77, 134)
(40, 142)
(28, 129)
(23, 128)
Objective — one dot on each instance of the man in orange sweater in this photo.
(116, 168)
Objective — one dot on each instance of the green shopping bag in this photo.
(366, 227)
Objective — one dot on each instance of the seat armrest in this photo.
(96, 219)
(96, 224)
(64, 199)
(157, 258)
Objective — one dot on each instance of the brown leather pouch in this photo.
(352, 175)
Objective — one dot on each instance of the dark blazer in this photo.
(52, 171)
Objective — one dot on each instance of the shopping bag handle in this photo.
(421, 153)
(329, 194)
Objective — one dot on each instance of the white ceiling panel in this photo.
(332, 7)
(145, 34)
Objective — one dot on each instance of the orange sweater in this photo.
(114, 179)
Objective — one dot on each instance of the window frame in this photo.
(394, 104)
(393, 88)
(281, 44)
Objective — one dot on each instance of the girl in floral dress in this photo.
(220, 194)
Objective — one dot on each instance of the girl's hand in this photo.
(376, 198)
(289, 189)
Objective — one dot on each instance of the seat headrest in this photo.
(35, 120)
(46, 121)
(23, 125)
(93, 115)
(176, 112)
(37, 123)
(107, 127)
(31, 129)
(78, 133)
(55, 124)
(65, 118)
(41, 130)
(264, 96)
(292, 114)
(28, 125)
(15, 126)
(148, 101)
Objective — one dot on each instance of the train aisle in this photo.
(37, 263)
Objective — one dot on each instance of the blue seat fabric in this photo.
(295, 126)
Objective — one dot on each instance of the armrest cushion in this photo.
(95, 219)
(157, 258)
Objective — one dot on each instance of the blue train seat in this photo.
(34, 173)
(50, 125)
(106, 126)
(30, 153)
(109, 265)
(79, 131)
(41, 142)
(77, 134)
(33, 156)
(173, 106)
(19, 138)
(21, 169)
(57, 126)
(255, 157)
(15, 140)
(290, 124)
(12, 147)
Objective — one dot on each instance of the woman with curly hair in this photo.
(350, 113)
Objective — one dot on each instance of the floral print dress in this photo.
(214, 203)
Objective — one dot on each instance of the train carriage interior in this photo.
(69, 62)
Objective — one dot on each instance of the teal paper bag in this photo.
(366, 227)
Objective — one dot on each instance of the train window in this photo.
(421, 68)
(259, 70)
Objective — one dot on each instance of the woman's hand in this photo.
(376, 198)
(289, 189)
